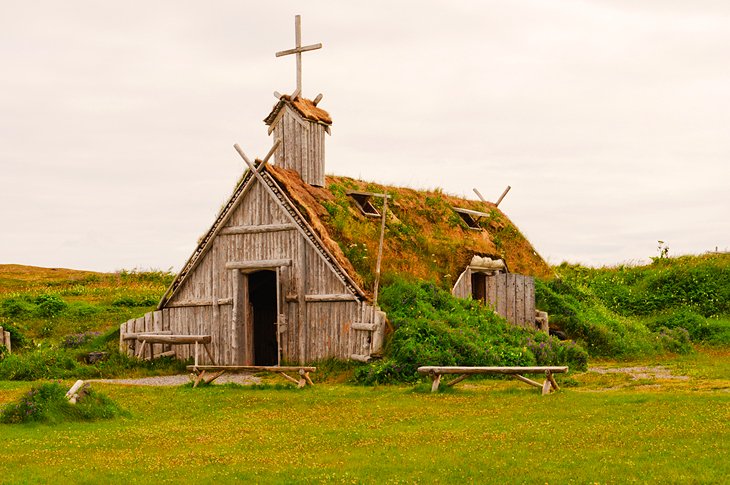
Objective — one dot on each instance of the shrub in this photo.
(135, 301)
(435, 328)
(17, 308)
(47, 403)
(50, 305)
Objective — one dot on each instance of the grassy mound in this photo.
(57, 316)
(637, 310)
(434, 328)
(47, 403)
(49, 304)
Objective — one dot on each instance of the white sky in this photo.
(609, 119)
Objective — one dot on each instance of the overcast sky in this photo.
(610, 119)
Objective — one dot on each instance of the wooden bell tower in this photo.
(299, 125)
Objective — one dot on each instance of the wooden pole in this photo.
(502, 196)
(380, 251)
(298, 39)
(436, 381)
(481, 197)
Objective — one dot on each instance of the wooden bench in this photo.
(159, 338)
(464, 372)
(219, 370)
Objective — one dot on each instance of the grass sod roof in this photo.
(306, 108)
(425, 238)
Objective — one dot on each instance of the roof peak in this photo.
(306, 108)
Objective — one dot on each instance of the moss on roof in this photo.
(424, 238)
(306, 108)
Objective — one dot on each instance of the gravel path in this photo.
(656, 372)
(180, 379)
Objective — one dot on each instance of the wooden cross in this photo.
(298, 51)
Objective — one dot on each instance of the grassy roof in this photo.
(424, 237)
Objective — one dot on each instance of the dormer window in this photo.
(362, 200)
(471, 218)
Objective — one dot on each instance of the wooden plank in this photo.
(255, 368)
(298, 50)
(199, 303)
(526, 380)
(459, 288)
(520, 300)
(546, 387)
(174, 339)
(435, 383)
(256, 265)
(510, 291)
(237, 317)
(502, 196)
(501, 294)
(330, 298)
(492, 291)
(530, 301)
(471, 212)
(491, 370)
(302, 304)
(135, 335)
(258, 229)
(368, 327)
(453, 382)
(550, 377)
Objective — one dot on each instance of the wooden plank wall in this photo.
(302, 146)
(510, 295)
(203, 303)
(462, 287)
(513, 297)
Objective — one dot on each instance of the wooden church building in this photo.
(289, 270)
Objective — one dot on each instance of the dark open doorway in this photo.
(479, 286)
(262, 296)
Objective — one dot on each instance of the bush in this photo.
(63, 363)
(17, 308)
(435, 328)
(50, 305)
(47, 403)
(135, 301)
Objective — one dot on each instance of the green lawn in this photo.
(605, 428)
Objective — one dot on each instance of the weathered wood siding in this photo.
(510, 295)
(204, 302)
(302, 146)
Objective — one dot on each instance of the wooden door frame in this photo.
(242, 339)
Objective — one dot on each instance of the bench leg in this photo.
(215, 376)
(198, 378)
(436, 381)
(210, 356)
(549, 385)
(288, 377)
(457, 380)
(526, 380)
(552, 381)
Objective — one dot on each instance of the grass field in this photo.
(605, 428)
